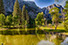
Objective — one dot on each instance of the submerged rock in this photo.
(43, 42)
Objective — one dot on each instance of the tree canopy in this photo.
(16, 13)
(39, 20)
(66, 15)
(55, 15)
(2, 19)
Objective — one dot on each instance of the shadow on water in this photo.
(28, 32)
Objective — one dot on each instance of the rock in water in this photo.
(43, 42)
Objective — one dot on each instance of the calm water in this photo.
(40, 39)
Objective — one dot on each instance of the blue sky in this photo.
(45, 3)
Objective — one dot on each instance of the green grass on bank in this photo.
(48, 28)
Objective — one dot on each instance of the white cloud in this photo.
(61, 2)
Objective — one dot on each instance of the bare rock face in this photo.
(46, 10)
(8, 5)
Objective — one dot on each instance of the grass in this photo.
(53, 27)
(65, 33)
(60, 26)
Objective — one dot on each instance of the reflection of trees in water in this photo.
(56, 38)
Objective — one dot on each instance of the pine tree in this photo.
(16, 13)
(24, 12)
(20, 16)
(25, 17)
(1, 7)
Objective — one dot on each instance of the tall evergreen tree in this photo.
(16, 13)
(66, 15)
(25, 17)
(20, 16)
(1, 7)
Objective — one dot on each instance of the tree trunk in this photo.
(52, 22)
(46, 23)
(56, 26)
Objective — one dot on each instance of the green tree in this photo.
(1, 7)
(25, 17)
(8, 20)
(16, 13)
(20, 16)
(66, 15)
(39, 20)
(2, 19)
(55, 16)
(31, 22)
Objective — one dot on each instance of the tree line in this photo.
(20, 18)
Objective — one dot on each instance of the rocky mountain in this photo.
(32, 8)
(46, 10)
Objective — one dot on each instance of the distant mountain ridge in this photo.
(32, 8)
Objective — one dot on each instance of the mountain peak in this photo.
(54, 5)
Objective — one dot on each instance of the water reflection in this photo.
(65, 42)
(54, 39)
(45, 39)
